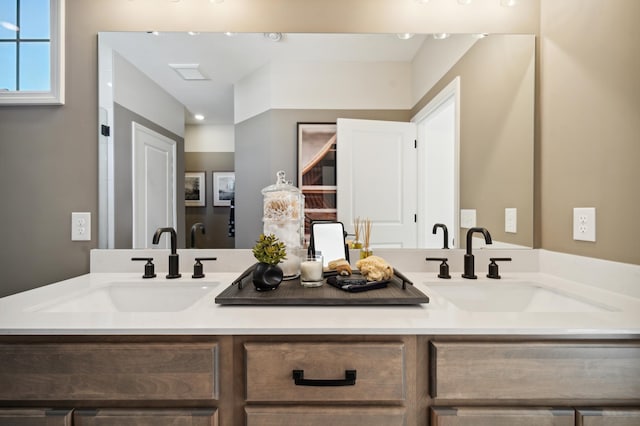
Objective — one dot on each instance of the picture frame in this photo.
(317, 179)
(224, 188)
(195, 189)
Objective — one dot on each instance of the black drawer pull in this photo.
(349, 379)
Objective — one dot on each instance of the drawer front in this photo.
(501, 417)
(35, 417)
(379, 370)
(544, 371)
(108, 371)
(325, 416)
(176, 417)
(609, 417)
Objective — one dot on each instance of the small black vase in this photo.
(267, 277)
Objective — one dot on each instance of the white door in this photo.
(438, 167)
(154, 185)
(376, 179)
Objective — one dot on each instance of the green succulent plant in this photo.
(269, 249)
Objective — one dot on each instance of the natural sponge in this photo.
(341, 266)
(375, 268)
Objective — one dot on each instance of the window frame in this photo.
(55, 96)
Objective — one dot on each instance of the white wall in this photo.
(209, 138)
(136, 92)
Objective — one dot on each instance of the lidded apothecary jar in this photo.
(283, 216)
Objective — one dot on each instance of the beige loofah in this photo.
(375, 268)
(340, 265)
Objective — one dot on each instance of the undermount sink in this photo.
(509, 296)
(134, 296)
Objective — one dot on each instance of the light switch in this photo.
(511, 220)
(81, 226)
(467, 218)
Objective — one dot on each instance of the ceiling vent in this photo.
(189, 71)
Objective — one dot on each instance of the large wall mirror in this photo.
(252, 90)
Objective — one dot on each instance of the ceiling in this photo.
(225, 59)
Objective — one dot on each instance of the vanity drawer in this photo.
(480, 416)
(325, 416)
(146, 417)
(34, 417)
(113, 371)
(546, 371)
(379, 370)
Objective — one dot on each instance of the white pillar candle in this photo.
(311, 271)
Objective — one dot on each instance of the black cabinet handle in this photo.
(349, 379)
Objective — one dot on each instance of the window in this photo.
(31, 51)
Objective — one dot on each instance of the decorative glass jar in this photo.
(283, 216)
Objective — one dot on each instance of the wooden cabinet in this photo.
(146, 417)
(608, 417)
(467, 416)
(34, 417)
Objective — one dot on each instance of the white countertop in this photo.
(29, 313)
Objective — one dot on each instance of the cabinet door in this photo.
(501, 417)
(141, 417)
(325, 416)
(108, 371)
(35, 417)
(609, 417)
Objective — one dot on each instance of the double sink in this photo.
(160, 295)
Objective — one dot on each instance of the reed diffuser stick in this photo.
(356, 224)
(367, 232)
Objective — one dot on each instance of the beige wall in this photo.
(48, 155)
(590, 125)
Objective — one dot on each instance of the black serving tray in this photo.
(398, 291)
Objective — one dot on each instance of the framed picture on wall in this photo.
(317, 147)
(194, 189)
(224, 188)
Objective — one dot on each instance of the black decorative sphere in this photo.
(267, 277)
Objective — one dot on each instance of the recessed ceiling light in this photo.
(199, 117)
(441, 36)
(479, 35)
(189, 71)
(193, 33)
(155, 33)
(230, 34)
(405, 36)
(508, 3)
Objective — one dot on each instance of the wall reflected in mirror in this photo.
(253, 95)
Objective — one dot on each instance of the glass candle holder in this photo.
(311, 271)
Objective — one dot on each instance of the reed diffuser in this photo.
(366, 251)
(357, 244)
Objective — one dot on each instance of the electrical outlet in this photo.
(80, 226)
(584, 223)
(511, 220)
(467, 218)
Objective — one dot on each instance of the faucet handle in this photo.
(493, 266)
(197, 267)
(149, 268)
(444, 267)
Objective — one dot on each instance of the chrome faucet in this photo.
(446, 234)
(195, 227)
(174, 261)
(469, 264)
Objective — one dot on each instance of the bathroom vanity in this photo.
(110, 348)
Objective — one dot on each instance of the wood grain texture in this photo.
(325, 416)
(142, 417)
(501, 417)
(292, 293)
(546, 371)
(380, 371)
(608, 417)
(108, 371)
(35, 417)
